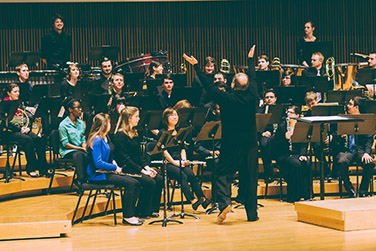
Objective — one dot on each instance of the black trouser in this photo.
(187, 175)
(345, 160)
(296, 174)
(244, 160)
(131, 192)
(31, 144)
(265, 152)
(150, 195)
(79, 158)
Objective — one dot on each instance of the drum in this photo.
(141, 63)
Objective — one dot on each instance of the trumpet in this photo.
(225, 66)
(276, 64)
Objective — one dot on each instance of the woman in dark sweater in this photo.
(170, 119)
(128, 155)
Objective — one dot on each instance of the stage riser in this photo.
(345, 215)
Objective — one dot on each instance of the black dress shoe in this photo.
(197, 203)
(253, 219)
(138, 223)
(206, 203)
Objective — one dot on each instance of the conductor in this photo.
(239, 140)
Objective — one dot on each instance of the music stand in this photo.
(366, 77)
(278, 111)
(267, 79)
(49, 107)
(262, 120)
(96, 53)
(343, 96)
(179, 140)
(192, 94)
(7, 111)
(322, 120)
(145, 103)
(27, 57)
(370, 106)
(180, 79)
(149, 120)
(95, 103)
(327, 110)
(308, 48)
(133, 81)
(211, 131)
(291, 94)
(159, 148)
(38, 92)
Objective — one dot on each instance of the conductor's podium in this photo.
(341, 214)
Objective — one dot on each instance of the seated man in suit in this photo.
(317, 68)
(358, 149)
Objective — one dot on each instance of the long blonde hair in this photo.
(99, 128)
(123, 122)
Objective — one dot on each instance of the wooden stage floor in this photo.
(277, 229)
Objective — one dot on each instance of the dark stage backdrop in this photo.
(220, 29)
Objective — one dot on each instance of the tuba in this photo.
(225, 66)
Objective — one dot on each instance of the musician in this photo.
(167, 98)
(265, 138)
(26, 87)
(128, 155)
(209, 69)
(311, 99)
(239, 137)
(292, 158)
(102, 82)
(220, 81)
(56, 45)
(287, 78)
(117, 85)
(155, 68)
(372, 60)
(309, 28)
(33, 146)
(69, 84)
(316, 68)
(358, 149)
(170, 119)
(71, 133)
(99, 149)
(263, 63)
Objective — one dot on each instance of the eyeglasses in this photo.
(78, 107)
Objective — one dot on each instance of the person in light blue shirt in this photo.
(71, 133)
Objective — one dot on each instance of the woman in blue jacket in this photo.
(101, 169)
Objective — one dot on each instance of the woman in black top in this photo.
(304, 58)
(291, 158)
(69, 84)
(170, 119)
(128, 155)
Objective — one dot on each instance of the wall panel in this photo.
(224, 29)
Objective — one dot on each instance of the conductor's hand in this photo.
(367, 158)
(251, 52)
(190, 59)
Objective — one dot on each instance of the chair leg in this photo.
(114, 206)
(74, 176)
(108, 201)
(51, 179)
(19, 163)
(281, 188)
(266, 190)
(93, 204)
(87, 202)
(78, 203)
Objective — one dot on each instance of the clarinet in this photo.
(288, 129)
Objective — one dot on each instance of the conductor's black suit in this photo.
(239, 140)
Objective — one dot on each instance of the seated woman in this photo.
(99, 148)
(291, 158)
(70, 83)
(170, 119)
(128, 155)
(71, 133)
(25, 138)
